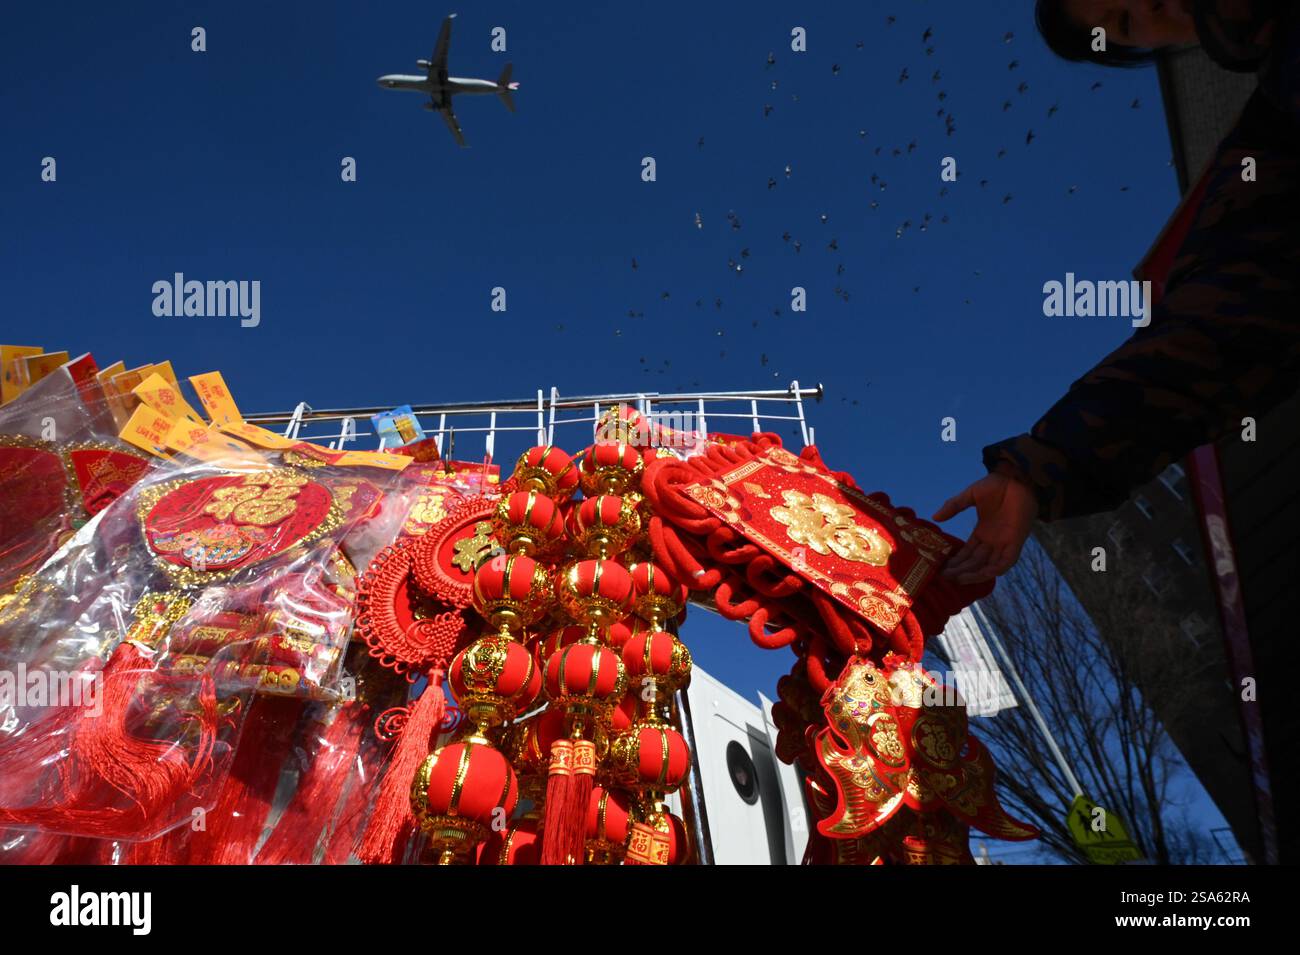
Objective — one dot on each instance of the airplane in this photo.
(441, 87)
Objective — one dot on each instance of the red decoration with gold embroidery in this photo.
(103, 474)
(215, 526)
(867, 556)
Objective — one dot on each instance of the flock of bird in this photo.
(826, 239)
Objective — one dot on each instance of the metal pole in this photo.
(694, 790)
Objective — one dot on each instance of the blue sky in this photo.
(225, 165)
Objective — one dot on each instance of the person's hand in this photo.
(1005, 510)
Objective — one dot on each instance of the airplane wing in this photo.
(438, 65)
(452, 124)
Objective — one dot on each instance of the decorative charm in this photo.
(209, 528)
(449, 553)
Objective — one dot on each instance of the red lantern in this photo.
(528, 745)
(659, 660)
(547, 645)
(608, 822)
(603, 526)
(596, 592)
(585, 678)
(547, 469)
(520, 844)
(659, 595)
(621, 631)
(650, 758)
(494, 678)
(529, 522)
(611, 469)
(459, 790)
(511, 592)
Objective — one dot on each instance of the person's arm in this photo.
(1223, 345)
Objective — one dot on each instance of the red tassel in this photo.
(391, 821)
(171, 848)
(316, 801)
(151, 774)
(562, 828)
(236, 822)
(584, 776)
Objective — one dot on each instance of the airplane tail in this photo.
(504, 86)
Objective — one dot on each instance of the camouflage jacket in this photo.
(1223, 342)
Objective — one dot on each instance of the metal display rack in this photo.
(528, 421)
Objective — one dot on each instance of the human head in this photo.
(1135, 29)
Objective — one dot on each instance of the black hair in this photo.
(1072, 41)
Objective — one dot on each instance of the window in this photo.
(1174, 478)
(1143, 505)
(1182, 550)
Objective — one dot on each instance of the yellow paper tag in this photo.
(115, 405)
(215, 398)
(376, 459)
(12, 381)
(159, 394)
(148, 430)
(261, 438)
(163, 368)
(206, 443)
(42, 365)
(258, 437)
